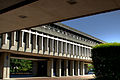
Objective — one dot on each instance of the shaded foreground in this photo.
(86, 77)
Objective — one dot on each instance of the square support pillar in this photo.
(66, 67)
(5, 41)
(77, 68)
(5, 65)
(50, 68)
(82, 68)
(72, 68)
(58, 68)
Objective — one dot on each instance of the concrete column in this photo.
(5, 65)
(13, 37)
(68, 48)
(35, 68)
(60, 48)
(72, 68)
(64, 49)
(82, 69)
(66, 67)
(86, 68)
(71, 50)
(51, 46)
(74, 51)
(13, 41)
(79, 51)
(90, 52)
(50, 68)
(77, 68)
(86, 53)
(4, 38)
(28, 42)
(58, 67)
(46, 47)
(5, 41)
(40, 45)
(21, 43)
(35, 44)
(82, 48)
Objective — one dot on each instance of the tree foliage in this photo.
(106, 59)
(20, 65)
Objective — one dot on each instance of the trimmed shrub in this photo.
(106, 61)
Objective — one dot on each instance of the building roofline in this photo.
(79, 32)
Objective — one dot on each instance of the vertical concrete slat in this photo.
(13, 41)
(35, 45)
(21, 43)
(40, 44)
(51, 46)
(28, 42)
(5, 41)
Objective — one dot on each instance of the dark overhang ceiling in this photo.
(20, 14)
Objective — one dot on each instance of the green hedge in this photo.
(106, 61)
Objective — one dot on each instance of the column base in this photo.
(40, 51)
(5, 46)
(68, 55)
(51, 53)
(28, 50)
(71, 56)
(64, 55)
(74, 56)
(35, 51)
(56, 54)
(14, 47)
(60, 54)
(46, 52)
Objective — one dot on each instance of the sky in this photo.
(105, 26)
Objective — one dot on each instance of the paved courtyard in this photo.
(86, 77)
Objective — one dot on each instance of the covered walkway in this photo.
(85, 77)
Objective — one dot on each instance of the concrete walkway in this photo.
(86, 77)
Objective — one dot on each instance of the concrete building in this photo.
(55, 49)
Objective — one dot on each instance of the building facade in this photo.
(55, 49)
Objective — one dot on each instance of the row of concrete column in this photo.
(76, 68)
(70, 67)
(35, 42)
